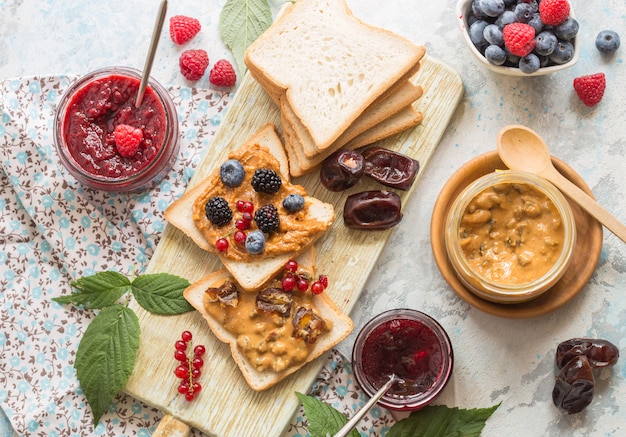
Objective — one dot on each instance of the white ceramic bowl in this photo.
(464, 10)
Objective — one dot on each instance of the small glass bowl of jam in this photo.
(409, 344)
(510, 236)
(93, 147)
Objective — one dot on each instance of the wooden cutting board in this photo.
(227, 406)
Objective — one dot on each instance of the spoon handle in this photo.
(345, 430)
(587, 203)
(154, 42)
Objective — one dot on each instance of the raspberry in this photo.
(127, 139)
(182, 28)
(223, 74)
(217, 211)
(590, 88)
(193, 63)
(266, 218)
(266, 180)
(519, 38)
(554, 12)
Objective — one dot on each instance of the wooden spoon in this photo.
(520, 148)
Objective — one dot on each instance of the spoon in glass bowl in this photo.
(349, 426)
(154, 42)
(520, 148)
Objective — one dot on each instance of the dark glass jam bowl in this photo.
(410, 344)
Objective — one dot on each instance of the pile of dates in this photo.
(576, 359)
(374, 209)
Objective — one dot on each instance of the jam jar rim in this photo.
(419, 400)
(161, 162)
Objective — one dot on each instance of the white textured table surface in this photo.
(497, 360)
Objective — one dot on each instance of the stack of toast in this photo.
(339, 82)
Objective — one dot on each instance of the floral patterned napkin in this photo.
(53, 230)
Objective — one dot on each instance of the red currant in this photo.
(183, 387)
(180, 345)
(289, 282)
(199, 350)
(195, 373)
(239, 205)
(196, 387)
(248, 207)
(182, 372)
(323, 279)
(242, 225)
(291, 265)
(180, 356)
(317, 287)
(221, 244)
(240, 237)
(186, 336)
(197, 363)
(247, 217)
(303, 284)
(189, 396)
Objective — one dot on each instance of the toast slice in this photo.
(340, 326)
(331, 65)
(298, 231)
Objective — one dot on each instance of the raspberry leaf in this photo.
(97, 291)
(161, 293)
(323, 419)
(241, 23)
(106, 356)
(442, 421)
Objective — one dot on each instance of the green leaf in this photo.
(97, 291)
(323, 419)
(241, 23)
(161, 293)
(443, 421)
(106, 356)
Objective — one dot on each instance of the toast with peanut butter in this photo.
(241, 216)
(271, 333)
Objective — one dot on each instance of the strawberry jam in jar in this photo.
(109, 144)
(409, 344)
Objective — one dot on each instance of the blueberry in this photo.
(476, 33)
(607, 41)
(529, 63)
(495, 54)
(477, 12)
(492, 8)
(536, 23)
(293, 202)
(508, 3)
(232, 173)
(507, 17)
(255, 242)
(567, 30)
(546, 43)
(563, 52)
(493, 34)
(523, 12)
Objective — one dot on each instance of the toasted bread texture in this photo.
(330, 66)
(340, 327)
(254, 271)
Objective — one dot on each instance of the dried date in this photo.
(372, 210)
(390, 168)
(574, 386)
(600, 353)
(342, 170)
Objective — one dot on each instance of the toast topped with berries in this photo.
(249, 214)
(272, 331)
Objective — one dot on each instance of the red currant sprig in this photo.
(241, 225)
(189, 368)
(292, 279)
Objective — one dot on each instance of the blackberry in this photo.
(266, 218)
(217, 211)
(266, 180)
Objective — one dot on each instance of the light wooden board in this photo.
(227, 406)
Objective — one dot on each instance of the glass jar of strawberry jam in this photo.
(409, 344)
(107, 143)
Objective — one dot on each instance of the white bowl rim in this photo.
(464, 5)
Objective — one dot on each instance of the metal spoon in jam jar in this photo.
(520, 148)
(349, 426)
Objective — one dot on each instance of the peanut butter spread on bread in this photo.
(296, 229)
